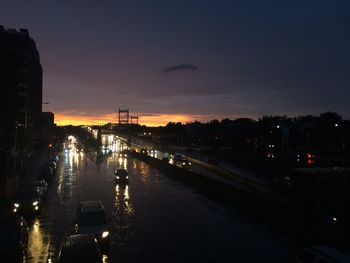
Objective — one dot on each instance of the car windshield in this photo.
(83, 254)
(28, 194)
(121, 172)
(38, 184)
(92, 219)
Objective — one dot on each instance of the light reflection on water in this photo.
(123, 162)
(122, 199)
(144, 172)
(38, 243)
(134, 164)
(122, 204)
(124, 213)
(73, 160)
(112, 160)
(40, 238)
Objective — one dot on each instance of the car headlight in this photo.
(35, 203)
(183, 163)
(16, 205)
(105, 234)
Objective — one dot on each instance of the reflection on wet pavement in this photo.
(39, 241)
(152, 218)
(122, 219)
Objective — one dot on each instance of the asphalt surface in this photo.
(153, 218)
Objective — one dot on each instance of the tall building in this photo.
(47, 126)
(21, 90)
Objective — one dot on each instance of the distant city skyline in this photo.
(188, 60)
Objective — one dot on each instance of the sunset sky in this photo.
(188, 60)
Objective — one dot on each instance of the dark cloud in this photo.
(180, 67)
(255, 57)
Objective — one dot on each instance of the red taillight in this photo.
(310, 161)
(310, 156)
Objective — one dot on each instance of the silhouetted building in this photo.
(47, 127)
(21, 88)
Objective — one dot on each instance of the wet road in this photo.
(152, 219)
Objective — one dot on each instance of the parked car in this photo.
(13, 238)
(91, 219)
(46, 173)
(41, 186)
(54, 158)
(52, 164)
(79, 248)
(321, 254)
(121, 176)
(29, 200)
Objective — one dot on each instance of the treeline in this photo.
(325, 136)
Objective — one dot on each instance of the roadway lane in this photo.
(153, 218)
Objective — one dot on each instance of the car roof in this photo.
(180, 156)
(121, 172)
(38, 182)
(28, 189)
(81, 240)
(80, 247)
(91, 206)
(330, 253)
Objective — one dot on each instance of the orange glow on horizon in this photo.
(62, 119)
(163, 119)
